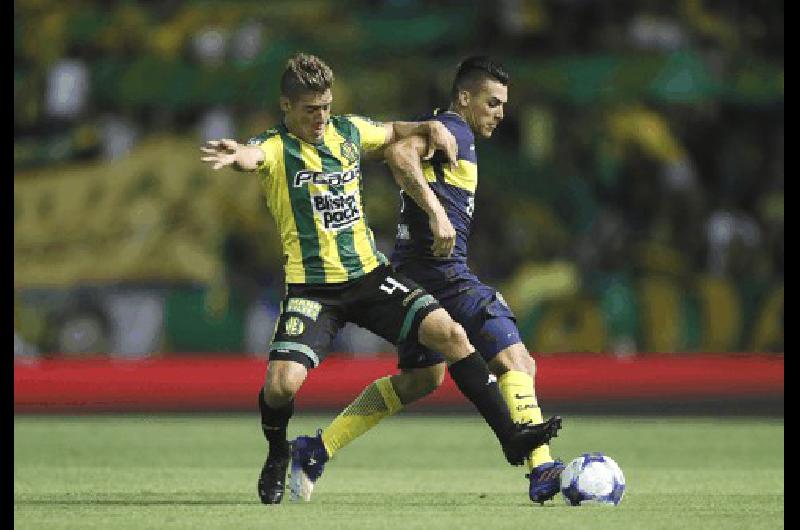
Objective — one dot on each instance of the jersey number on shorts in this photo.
(392, 285)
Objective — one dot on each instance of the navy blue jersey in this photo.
(455, 189)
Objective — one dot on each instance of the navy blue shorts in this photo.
(479, 308)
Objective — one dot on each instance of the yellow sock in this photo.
(376, 402)
(517, 390)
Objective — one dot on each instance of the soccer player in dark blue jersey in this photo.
(431, 248)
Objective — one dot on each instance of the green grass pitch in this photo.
(412, 472)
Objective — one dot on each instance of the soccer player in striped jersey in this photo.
(310, 173)
(431, 249)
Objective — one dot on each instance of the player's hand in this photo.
(441, 138)
(444, 235)
(220, 153)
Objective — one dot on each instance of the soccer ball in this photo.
(592, 478)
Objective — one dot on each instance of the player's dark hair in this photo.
(305, 73)
(473, 69)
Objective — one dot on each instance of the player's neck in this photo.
(297, 132)
(461, 114)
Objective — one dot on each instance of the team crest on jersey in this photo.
(294, 326)
(349, 151)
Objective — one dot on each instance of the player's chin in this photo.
(488, 130)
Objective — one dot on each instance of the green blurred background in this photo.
(631, 202)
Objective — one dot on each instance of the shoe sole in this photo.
(300, 486)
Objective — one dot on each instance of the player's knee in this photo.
(514, 358)
(284, 379)
(455, 343)
(521, 361)
(440, 332)
(457, 336)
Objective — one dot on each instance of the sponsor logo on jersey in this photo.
(337, 178)
(336, 211)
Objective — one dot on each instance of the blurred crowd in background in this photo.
(632, 201)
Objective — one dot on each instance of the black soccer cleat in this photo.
(272, 481)
(529, 436)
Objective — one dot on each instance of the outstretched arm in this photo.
(228, 152)
(403, 158)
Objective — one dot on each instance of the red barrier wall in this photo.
(232, 383)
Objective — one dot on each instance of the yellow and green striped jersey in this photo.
(314, 192)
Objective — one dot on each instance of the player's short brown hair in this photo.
(305, 73)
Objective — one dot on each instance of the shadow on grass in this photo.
(354, 500)
(130, 502)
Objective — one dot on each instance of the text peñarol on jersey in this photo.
(335, 209)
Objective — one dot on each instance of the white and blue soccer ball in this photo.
(592, 478)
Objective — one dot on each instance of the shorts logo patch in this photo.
(308, 308)
(294, 326)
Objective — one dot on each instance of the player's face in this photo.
(485, 107)
(307, 114)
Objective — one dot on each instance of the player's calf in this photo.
(417, 383)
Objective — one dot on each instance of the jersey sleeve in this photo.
(464, 140)
(372, 134)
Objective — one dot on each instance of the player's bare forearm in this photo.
(403, 159)
(437, 135)
(403, 129)
(222, 153)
